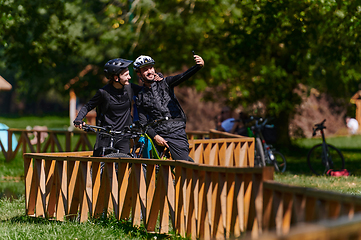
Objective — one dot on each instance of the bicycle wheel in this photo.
(279, 161)
(114, 155)
(317, 160)
(117, 155)
(259, 160)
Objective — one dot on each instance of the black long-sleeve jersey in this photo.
(114, 104)
(159, 101)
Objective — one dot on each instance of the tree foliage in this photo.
(256, 51)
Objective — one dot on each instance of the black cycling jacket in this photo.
(159, 101)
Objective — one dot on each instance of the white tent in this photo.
(4, 85)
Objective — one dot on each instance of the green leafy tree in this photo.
(257, 52)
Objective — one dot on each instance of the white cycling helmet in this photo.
(142, 61)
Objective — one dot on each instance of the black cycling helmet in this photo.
(142, 61)
(115, 66)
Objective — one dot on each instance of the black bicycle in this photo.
(265, 154)
(323, 157)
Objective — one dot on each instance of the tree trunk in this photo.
(282, 123)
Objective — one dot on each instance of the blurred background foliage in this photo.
(257, 52)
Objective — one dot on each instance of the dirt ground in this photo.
(314, 109)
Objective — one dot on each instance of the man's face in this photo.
(124, 77)
(147, 73)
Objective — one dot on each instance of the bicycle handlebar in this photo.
(257, 120)
(134, 130)
(318, 127)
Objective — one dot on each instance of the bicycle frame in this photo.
(268, 151)
(141, 145)
(326, 159)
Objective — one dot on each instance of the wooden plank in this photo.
(334, 210)
(231, 208)
(240, 196)
(41, 197)
(10, 144)
(30, 187)
(57, 143)
(124, 188)
(21, 142)
(193, 200)
(278, 211)
(162, 184)
(208, 229)
(68, 141)
(267, 209)
(98, 195)
(138, 194)
(299, 208)
(62, 201)
(216, 206)
(85, 191)
(153, 199)
(201, 213)
(247, 199)
(73, 188)
(50, 188)
(310, 209)
(287, 212)
(171, 194)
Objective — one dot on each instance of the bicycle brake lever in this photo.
(87, 128)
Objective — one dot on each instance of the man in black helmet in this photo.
(114, 103)
(157, 101)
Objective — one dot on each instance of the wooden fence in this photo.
(342, 228)
(227, 152)
(52, 143)
(198, 200)
(219, 196)
(286, 206)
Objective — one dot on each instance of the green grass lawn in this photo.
(15, 225)
(52, 122)
(298, 173)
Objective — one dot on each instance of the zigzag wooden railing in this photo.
(205, 201)
(341, 228)
(287, 206)
(52, 143)
(210, 135)
(228, 152)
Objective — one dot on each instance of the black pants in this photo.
(178, 145)
(104, 141)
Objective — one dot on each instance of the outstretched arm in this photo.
(178, 79)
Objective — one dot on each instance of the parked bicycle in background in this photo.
(323, 157)
(265, 154)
